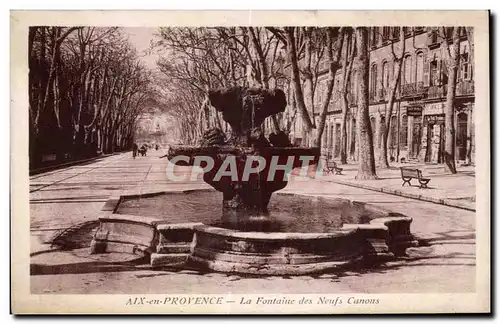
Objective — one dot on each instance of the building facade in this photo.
(155, 127)
(417, 121)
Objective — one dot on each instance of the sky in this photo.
(141, 38)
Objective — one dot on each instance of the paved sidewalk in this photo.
(456, 190)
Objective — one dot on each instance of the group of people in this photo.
(143, 149)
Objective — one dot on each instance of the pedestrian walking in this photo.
(134, 150)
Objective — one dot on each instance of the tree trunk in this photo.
(297, 88)
(452, 56)
(470, 39)
(343, 130)
(346, 77)
(449, 121)
(366, 166)
(384, 163)
(332, 71)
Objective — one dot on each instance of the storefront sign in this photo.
(414, 111)
(434, 109)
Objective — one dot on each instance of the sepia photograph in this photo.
(305, 162)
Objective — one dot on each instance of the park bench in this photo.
(407, 174)
(331, 167)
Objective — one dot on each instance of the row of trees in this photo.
(201, 58)
(87, 87)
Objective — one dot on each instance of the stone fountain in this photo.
(245, 109)
(244, 240)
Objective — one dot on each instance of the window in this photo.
(354, 86)
(386, 33)
(374, 36)
(385, 76)
(461, 139)
(337, 140)
(465, 66)
(420, 67)
(395, 33)
(434, 73)
(373, 81)
(407, 70)
(319, 91)
(325, 137)
(433, 36)
(382, 130)
(394, 71)
(403, 131)
(330, 146)
(449, 32)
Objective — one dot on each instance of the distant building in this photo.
(417, 121)
(155, 127)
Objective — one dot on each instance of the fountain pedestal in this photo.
(250, 192)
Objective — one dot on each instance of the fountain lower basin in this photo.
(172, 240)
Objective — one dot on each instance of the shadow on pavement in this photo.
(87, 267)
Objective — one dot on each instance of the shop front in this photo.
(434, 126)
(414, 115)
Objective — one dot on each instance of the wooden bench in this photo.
(331, 167)
(407, 174)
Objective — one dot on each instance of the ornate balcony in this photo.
(465, 88)
(413, 89)
(436, 92)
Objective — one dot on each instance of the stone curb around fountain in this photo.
(145, 235)
(381, 240)
(123, 233)
(440, 201)
(175, 243)
(226, 250)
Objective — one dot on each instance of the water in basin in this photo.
(287, 212)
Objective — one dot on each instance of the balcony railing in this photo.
(465, 88)
(412, 89)
(436, 92)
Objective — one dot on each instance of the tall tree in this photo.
(366, 165)
(87, 88)
(312, 42)
(470, 40)
(452, 60)
(335, 42)
(398, 61)
(347, 63)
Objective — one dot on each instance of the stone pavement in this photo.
(458, 190)
(70, 196)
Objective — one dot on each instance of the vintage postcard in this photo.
(250, 162)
